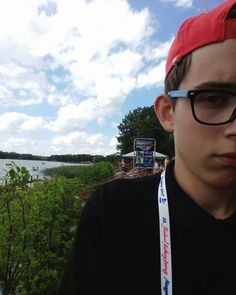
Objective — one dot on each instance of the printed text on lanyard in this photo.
(165, 242)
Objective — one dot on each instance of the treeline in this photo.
(81, 158)
(13, 155)
(69, 158)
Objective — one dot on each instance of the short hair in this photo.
(177, 74)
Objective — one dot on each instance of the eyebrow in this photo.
(216, 85)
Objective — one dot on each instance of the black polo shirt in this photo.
(117, 250)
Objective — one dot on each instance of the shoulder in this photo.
(125, 195)
(144, 182)
(128, 187)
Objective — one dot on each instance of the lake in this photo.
(35, 167)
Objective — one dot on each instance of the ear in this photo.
(164, 109)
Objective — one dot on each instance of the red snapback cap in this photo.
(201, 30)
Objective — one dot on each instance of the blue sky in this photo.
(70, 70)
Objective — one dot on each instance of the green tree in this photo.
(142, 122)
(113, 158)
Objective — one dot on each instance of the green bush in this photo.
(37, 229)
(37, 225)
(96, 172)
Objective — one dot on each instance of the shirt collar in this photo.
(185, 213)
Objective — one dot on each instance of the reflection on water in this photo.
(35, 167)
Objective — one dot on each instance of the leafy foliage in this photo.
(37, 225)
(142, 122)
(96, 172)
(18, 176)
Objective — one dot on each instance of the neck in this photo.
(219, 201)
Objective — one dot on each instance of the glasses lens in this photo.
(214, 107)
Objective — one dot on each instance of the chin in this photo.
(224, 179)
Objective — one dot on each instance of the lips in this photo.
(227, 158)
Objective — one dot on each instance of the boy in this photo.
(174, 235)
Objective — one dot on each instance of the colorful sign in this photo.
(144, 151)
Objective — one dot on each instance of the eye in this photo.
(213, 99)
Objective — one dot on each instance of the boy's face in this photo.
(201, 150)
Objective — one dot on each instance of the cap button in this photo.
(174, 61)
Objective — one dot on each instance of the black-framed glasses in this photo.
(209, 106)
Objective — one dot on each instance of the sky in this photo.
(71, 70)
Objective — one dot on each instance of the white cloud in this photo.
(84, 56)
(26, 145)
(16, 141)
(82, 142)
(125, 62)
(114, 124)
(113, 142)
(101, 121)
(21, 85)
(96, 46)
(154, 77)
(162, 50)
(184, 3)
(158, 52)
(155, 74)
(181, 3)
(75, 116)
(72, 143)
(13, 122)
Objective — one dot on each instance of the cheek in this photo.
(183, 123)
(184, 141)
(194, 140)
(190, 151)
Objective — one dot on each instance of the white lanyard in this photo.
(165, 243)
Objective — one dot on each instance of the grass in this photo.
(87, 174)
(64, 171)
